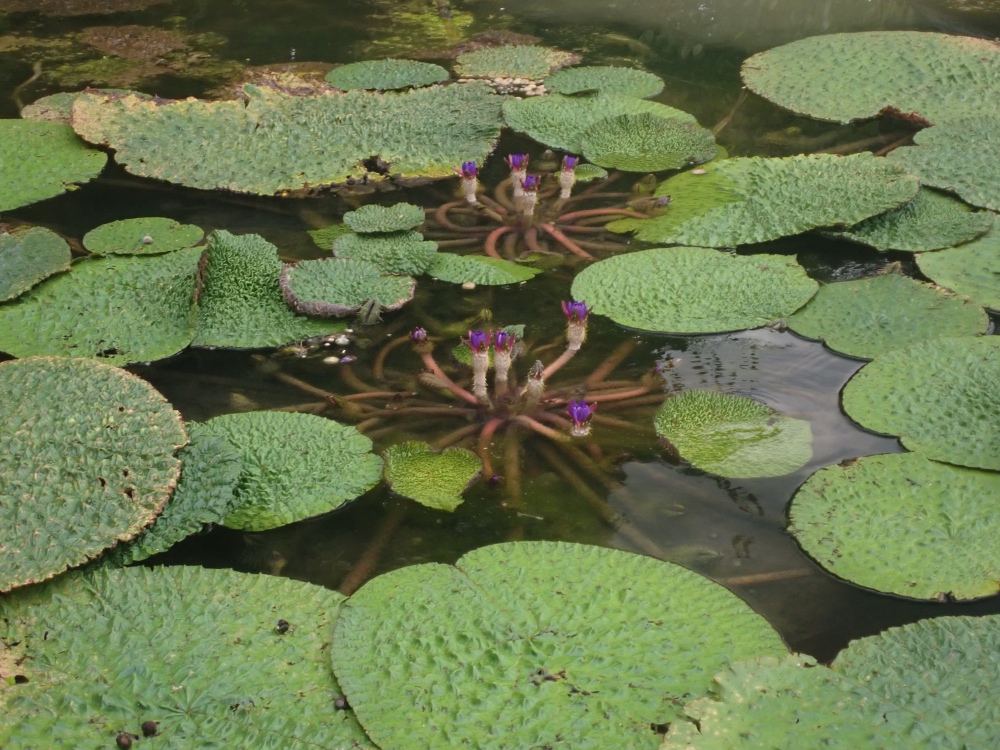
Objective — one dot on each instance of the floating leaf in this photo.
(646, 143)
(29, 257)
(534, 644)
(460, 269)
(146, 236)
(396, 252)
(335, 287)
(694, 290)
(384, 75)
(971, 269)
(605, 79)
(373, 218)
(59, 107)
(78, 478)
(436, 479)
(513, 61)
(868, 317)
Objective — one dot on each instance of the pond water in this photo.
(730, 530)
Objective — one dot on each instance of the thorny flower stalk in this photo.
(470, 183)
(567, 176)
(518, 164)
(479, 343)
(529, 199)
(503, 351)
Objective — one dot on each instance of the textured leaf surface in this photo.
(537, 644)
(294, 466)
(646, 143)
(387, 74)
(589, 172)
(606, 79)
(903, 524)
(29, 257)
(756, 199)
(694, 290)
(844, 77)
(867, 317)
(733, 436)
(76, 479)
(59, 107)
(145, 236)
(41, 159)
(120, 309)
(436, 479)
(196, 650)
(941, 397)
(397, 252)
(337, 287)
(373, 218)
(459, 269)
(972, 269)
(241, 304)
(513, 61)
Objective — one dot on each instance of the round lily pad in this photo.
(294, 466)
(646, 143)
(41, 159)
(196, 651)
(395, 252)
(868, 317)
(76, 479)
(337, 287)
(938, 396)
(460, 269)
(436, 479)
(534, 644)
(383, 75)
(606, 79)
(694, 290)
(733, 436)
(970, 269)
(146, 236)
(120, 310)
(902, 524)
(373, 218)
(513, 61)
(756, 199)
(29, 257)
(59, 107)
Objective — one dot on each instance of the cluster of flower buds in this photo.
(580, 412)
(470, 184)
(576, 323)
(567, 176)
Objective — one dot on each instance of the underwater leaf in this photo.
(39, 160)
(940, 397)
(694, 290)
(926, 77)
(146, 236)
(868, 317)
(536, 644)
(972, 269)
(756, 199)
(241, 303)
(459, 269)
(374, 218)
(117, 309)
(395, 252)
(324, 238)
(77, 478)
(383, 75)
(294, 466)
(904, 525)
(197, 651)
(29, 257)
(513, 61)
(588, 172)
(733, 436)
(646, 143)
(335, 287)
(605, 79)
(436, 479)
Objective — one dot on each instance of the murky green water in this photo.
(732, 531)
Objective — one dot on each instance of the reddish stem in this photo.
(600, 212)
(491, 241)
(531, 240)
(565, 241)
(431, 365)
(610, 363)
(377, 394)
(540, 428)
(441, 216)
(378, 369)
(563, 358)
(483, 444)
(456, 435)
(495, 205)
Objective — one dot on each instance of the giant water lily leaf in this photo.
(513, 61)
(395, 252)
(241, 303)
(560, 121)
(198, 651)
(972, 269)
(278, 142)
(29, 257)
(462, 269)
(294, 466)
(733, 436)
(395, 218)
(337, 287)
(432, 478)
(535, 644)
(867, 317)
(384, 75)
(902, 524)
(59, 107)
(756, 199)
(121, 310)
(940, 397)
(78, 478)
(694, 290)
(146, 236)
(606, 79)
(646, 143)
(842, 77)
(41, 159)
(962, 156)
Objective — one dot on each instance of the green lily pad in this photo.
(756, 199)
(119, 310)
(195, 650)
(29, 257)
(733, 436)
(938, 396)
(605, 79)
(646, 143)
(868, 317)
(146, 236)
(460, 269)
(383, 75)
(395, 218)
(241, 303)
(971, 269)
(902, 524)
(694, 290)
(59, 107)
(397, 252)
(927, 77)
(324, 238)
(39, 160)
(335, 287)
(294, 466)
(513, 61)
(436, 479)
(535, 644)
(77, 479)
(561, 121)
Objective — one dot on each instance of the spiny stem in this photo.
(448, 383)
(565, 241)
(610, 363)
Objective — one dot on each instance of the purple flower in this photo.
(504, 340)
(570, 162)
(468, 171)
(418, 335)
(575, 312)
(517, 162)
(530, 183)
(580, 412)
(479, 341)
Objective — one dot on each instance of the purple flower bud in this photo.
(575, 311)
(347, 359)
(530, 183)
(570, 162)
(468, 171)
(418, 335)
(504, 340)
(580, 412)
(517, 162)
(663, 200)
(479, 341)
